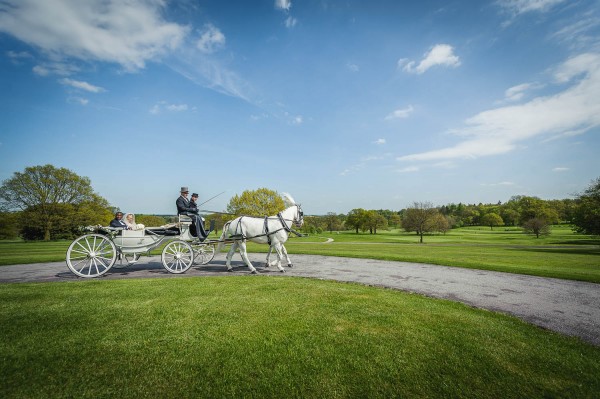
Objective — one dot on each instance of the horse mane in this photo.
(288, 200)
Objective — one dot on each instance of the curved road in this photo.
(568, 307)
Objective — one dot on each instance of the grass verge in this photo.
(273, 337)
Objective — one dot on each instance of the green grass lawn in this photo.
(272, 337)
(563, 254)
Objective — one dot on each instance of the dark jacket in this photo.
(118, 223)
(184, 208)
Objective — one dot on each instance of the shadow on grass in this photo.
(569, 251)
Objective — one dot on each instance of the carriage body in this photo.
(102, 248)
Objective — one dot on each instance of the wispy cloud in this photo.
(501, 130)
(522, 6)
(126, 32)
(440, 54)
(516, 93)
(560, 169)
(408, 169)
(165, 106)
(352, 67)
(400, 113)
(211, 39)
(81, 85)
(379, 141)
(285, 6)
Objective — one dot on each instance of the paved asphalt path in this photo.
(568, 307)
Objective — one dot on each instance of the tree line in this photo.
(45, 202)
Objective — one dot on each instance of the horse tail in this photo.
(223, 236)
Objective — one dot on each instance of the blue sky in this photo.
(343, 104)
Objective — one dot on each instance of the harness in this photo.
(239, 231)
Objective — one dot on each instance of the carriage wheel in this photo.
(203, 253)
(91, 255)
(177, 256)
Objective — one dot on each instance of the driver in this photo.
(189, 208)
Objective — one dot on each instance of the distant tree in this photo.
(537, 226)
(374, 220)
(509, 216)
(418, 218)
(260, 202)
(586, 212)
(395, 220)
(9, 225)
(51, 198)
(356, 219)
(332, 222)
(492, 219)
(439, 223)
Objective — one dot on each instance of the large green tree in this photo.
(491, 219)
(356, 219)
(52, 200)
(260, 202)
(586, 213)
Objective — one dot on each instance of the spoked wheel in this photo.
(91, 255)
(203, 253)
(177, 256)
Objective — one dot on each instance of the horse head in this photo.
(299, 216)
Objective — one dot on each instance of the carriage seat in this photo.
(133, 233)
(185, 219)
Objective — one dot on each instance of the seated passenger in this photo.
(118, 222)
(130, 222)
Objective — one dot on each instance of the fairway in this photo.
(273, 337)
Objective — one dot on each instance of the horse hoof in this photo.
(266, 265)
(253, 272)
(282, 270)
(290, 265)
(230, 270)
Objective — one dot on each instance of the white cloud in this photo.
(400, 113)
(516, 93)
(501, 130)
(81, 85)
(408, 169)
(290, 22)
(211, 39)
(352, 67)
(440, 54)
(379, 141)
(560, 169)
(126, 32)
(283, 4)
(177, 107)
(523, 6)
(163, 105)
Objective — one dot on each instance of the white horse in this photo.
(272, 230)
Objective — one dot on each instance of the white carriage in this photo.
(103, 248)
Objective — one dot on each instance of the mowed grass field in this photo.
(273, 337)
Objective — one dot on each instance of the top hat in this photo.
(184, 190)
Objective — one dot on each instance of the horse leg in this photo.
(245, 257)
(230, 255)
(289, 262)
(267, 264)
(279, 256)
